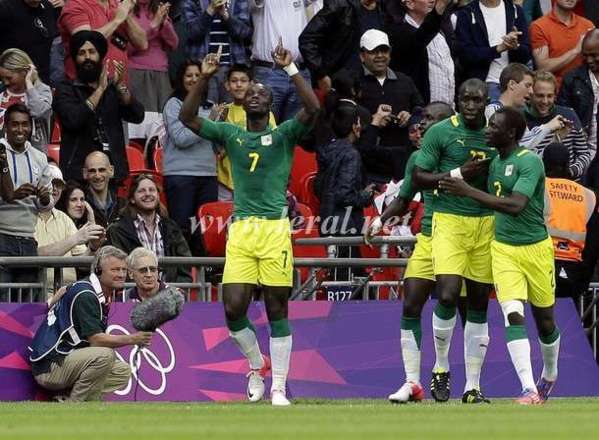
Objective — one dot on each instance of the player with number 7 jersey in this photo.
(258, 248)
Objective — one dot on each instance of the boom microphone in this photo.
(150, 314)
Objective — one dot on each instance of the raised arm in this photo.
(311, 106)
(189, 110)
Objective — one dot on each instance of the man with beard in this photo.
(92, 108)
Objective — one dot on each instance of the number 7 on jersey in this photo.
(255, 157)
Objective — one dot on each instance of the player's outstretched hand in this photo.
(211, 62)
(281, 56)
(457, 187)
(475, 167)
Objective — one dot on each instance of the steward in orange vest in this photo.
(568, 207)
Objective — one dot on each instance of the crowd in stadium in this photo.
(107, 111)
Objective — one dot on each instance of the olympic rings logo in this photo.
(135, 361)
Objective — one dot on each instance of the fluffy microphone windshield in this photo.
(150, 314)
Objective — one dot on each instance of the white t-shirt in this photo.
(496, 28)
(279, 18)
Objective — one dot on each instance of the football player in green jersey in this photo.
(522, 251)
(419, 279)
(462, 231)
(259, 240)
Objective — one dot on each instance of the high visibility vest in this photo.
(568, 207)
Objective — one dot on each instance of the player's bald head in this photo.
(439, 110)
(474, 85)
(97, 158)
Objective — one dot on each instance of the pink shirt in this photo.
(77, 13)
(160, 40)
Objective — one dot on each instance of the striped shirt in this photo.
(441, 68)
(220, 37)
(538, 137)
(150, 241)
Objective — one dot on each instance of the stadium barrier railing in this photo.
(202, 289)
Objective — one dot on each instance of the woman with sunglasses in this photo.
(19, 76)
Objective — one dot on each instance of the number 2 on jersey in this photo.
(497, 186)
(255, 157)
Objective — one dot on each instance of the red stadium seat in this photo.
(55, 136)
(54, 152)
(306, 194)
(136, 160)
(304, 162)
(213, 218)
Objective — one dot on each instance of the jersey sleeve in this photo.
(430, 151)
(530, 172)
(407, 189)
(293, 130)
(86, 315)
(214, 131)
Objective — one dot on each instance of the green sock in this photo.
(514, 332)
(551, 338)
(413, 324)
(443, 312)
(280, 328)
(240, 324)
(476, 316)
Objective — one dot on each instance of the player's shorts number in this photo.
(478, 155)
(255, 157)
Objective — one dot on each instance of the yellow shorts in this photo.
(461, 246)
(420, 264)
(259, 252)
(524, 272)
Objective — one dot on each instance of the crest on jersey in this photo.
(509, 169)
(266, 140)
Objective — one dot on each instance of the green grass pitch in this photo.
(307, 419)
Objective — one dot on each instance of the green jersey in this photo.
(261, 162)
(407, 192)
(450, 144)
(522, 171)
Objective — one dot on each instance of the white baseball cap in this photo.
(373, 38)
(54, 173)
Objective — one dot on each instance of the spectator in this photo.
(23, 85)
(381, 85)
(30, 25)
(218, 23)
(569, 206)
(112, 19)
(72, 202)
(581, 89)
(531, 8)
(189, 165)
(92, 108)
(279, 22)
(556, 39)
(515, 84)
(237, 82)
(100, 194)
(542, 111)
(57, 235)
(142, 265)
(340, 184)
(490, 35)
(421, 49)
(331, 40)
(73, 351)
(144, 223)
(149, 78)
(28, 168)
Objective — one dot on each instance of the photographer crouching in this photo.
(71, 349)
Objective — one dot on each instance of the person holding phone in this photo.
(28, 168)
